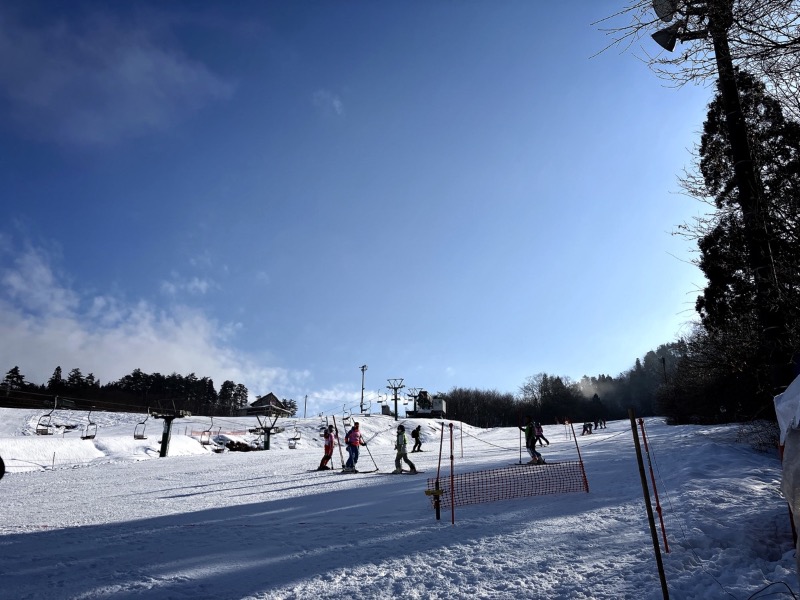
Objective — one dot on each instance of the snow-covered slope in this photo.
(112, 520)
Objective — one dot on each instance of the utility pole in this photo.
(363, 371)
(395, 385)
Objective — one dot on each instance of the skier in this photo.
(400, 446)
(530, 442)
(416, 435)
(539, 432)
(353, 439)
(328, 451)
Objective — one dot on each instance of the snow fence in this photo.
(515, 481)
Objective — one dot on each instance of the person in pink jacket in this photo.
(354, 440)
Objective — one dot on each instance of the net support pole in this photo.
(648, 505)
(655, 489)
(437, 503)
(580, 458)
(452, 479)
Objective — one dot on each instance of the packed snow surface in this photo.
(107, 518)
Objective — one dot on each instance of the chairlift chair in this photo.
(44, 425)
(90, 430)
(138, 431)
(205, 436)
(294, 439)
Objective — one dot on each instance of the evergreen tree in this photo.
(15, 380)
(56, 382)
(240, 394)
(729, 304)
(291, 406)
(227, 405)
(75, 380)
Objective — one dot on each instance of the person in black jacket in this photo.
(416, 435)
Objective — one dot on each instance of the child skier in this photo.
(537, 428)
(400, 446)
(328, 451)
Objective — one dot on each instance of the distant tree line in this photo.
(555, 398)
(140, 390)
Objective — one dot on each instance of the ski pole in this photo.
(336, 431)
(370, 455)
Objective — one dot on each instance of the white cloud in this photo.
(32, 283)
(97, 81)
(43, 324)
(328, 102)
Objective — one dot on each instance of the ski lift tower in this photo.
(169, 417)
(266, 428)
(395, 385)
(413, 393)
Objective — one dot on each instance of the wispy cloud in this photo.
(31, 284)
(44, 324)
(96, 81)
(328, 103)
(192, 286)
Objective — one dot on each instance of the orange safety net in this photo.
(515, 481)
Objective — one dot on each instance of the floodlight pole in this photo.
(395, 385)
(363, 371)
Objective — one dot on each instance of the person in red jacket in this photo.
(354, 440)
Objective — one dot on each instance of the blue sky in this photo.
(452, 193)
